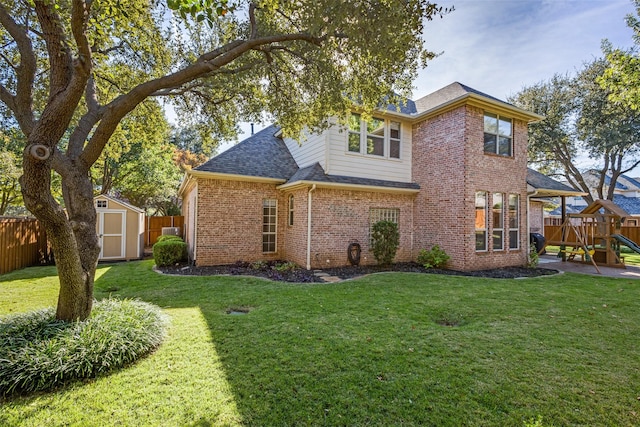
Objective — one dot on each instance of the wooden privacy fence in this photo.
(631, 233)
(153, 227)
(23, 243)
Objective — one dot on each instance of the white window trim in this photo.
(291, 210)
(486, 221)
(275, 232)
(386, 138)
(497, 134)
(494, 228)
(106, 204)
(517, 215)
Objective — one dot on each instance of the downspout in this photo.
(311, 190)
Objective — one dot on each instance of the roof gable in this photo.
(547, 187)
(261, 155)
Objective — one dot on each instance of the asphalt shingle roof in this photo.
(315, 173)
(540, 181)
(629, 204)
(262, 154)
(449, 93)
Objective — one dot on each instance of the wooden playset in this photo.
(593, 235)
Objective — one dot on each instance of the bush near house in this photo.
(169, 250)
(434, 258)
(386, 239)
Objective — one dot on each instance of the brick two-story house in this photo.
(450, 169)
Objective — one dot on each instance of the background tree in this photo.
(9, 186)
(622, 76)
(581, 120)
(70, 72)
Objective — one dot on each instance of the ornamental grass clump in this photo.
(38, 352)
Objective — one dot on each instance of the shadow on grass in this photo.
(376, 351)
(389, 349)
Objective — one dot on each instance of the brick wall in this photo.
(229, 218)
(230, 223)
(536, 217)
(342, 217)
(450, 165)
(295, 236)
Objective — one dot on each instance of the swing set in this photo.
(593, 235)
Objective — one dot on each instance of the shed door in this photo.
(111, 234)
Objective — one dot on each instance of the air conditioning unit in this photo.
(173, 231)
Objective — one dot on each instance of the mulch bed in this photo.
(270, 270)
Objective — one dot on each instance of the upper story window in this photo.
(101, 203)
(498, 135)
(375, 137)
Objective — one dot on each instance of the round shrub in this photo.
(434, 258)
(169, 252)
(386, 239)
(165, 237)
(38, 352)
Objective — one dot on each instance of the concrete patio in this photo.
(552, 261)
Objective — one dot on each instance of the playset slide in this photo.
(629, 243)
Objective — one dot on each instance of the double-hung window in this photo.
(498, 221)
(498, 135)
(269, 225)
(481, 221)
(514, 221)
(375, 136)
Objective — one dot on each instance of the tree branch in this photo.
(25, 74)
(87, 121)
(60, 60)
(206, 63)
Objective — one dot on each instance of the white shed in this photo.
(120, 228)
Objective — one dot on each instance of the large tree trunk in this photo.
(72, 233)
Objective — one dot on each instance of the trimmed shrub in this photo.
(386, 239)
(434, 258)
(165, 237)
(169, 252)
(38, 352)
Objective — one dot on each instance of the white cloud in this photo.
(499, 46)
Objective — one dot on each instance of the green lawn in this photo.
(365, 352)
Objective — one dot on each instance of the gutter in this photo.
(311, 190)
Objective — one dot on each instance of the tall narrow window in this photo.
(498, 221)
(497, 135)
(514, 221)
(481, 221)
(291, 210)
(394, 140)
(269, 222)
(375, 136)
(354, 133)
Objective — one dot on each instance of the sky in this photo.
(500, 47)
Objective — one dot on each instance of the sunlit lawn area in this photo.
(388, 349)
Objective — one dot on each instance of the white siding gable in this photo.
(312, 149)
(343, 162)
